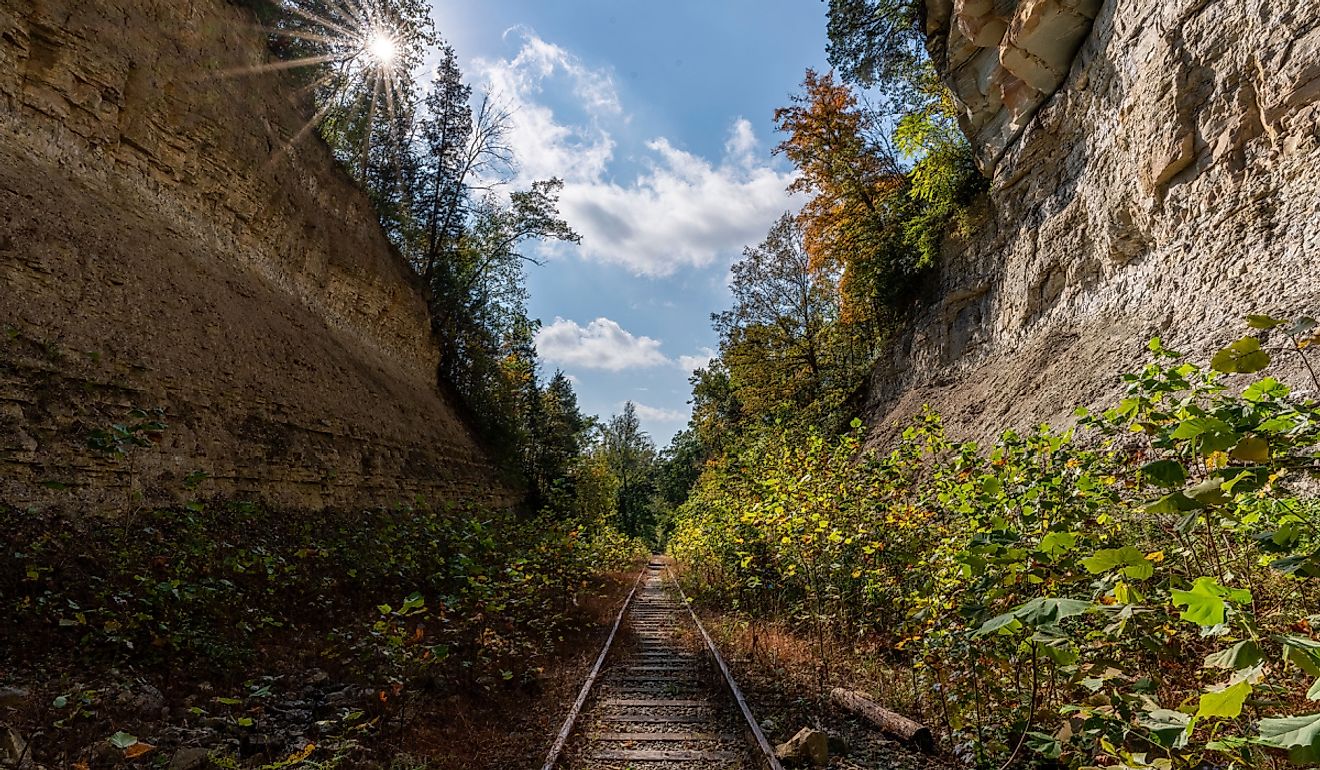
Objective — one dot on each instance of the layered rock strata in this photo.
(173, 238)
(1168, 185)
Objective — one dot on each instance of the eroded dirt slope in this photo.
(159, 249)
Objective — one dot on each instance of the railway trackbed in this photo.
(665, 699)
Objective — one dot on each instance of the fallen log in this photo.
(897, 725)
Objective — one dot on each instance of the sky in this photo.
(658, 116)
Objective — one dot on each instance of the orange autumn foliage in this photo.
(849, 174)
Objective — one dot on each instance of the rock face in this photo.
(1168, 185)
(1003, 59)
(171, 238)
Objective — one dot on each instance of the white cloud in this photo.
(693, 363)
(680, 211)
(601, 344)
(652, 414)
(543, 146)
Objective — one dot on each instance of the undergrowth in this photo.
(420, 599)
(1137, 592)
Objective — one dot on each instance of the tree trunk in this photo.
(898, 725)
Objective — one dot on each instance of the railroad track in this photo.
(661, 699)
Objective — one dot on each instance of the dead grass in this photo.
(787, 680)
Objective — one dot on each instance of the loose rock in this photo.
(13, 749)
(13, 697)
(808, 746)
(190, 758)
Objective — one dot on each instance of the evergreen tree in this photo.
(630, 455)
(446, 135)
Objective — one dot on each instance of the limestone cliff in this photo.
(1156, 171)
(160, 249)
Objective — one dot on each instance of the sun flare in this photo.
(382, 49)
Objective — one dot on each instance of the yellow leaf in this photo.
(137, 750)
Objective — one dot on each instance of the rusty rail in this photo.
(566, 731)
(768, 758)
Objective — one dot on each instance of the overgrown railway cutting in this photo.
(664, 700)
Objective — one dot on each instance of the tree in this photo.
(478, 304)
(848, 169)
(630, 456)
(780, 341)
(717, 414)
(447, 159)
(774, 338)
(558, 437)
(877, 43)
(680, 466)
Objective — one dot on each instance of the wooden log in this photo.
(897, 725)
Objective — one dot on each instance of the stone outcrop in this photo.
(1168, 185)
(171, 237)
(1002, 59)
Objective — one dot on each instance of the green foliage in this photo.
(876, 42)
(485, 591)
(1089, 573)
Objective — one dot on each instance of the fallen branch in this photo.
(897, 725)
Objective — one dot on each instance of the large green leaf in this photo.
(1193, 427)
(1244, 654)
(1242, 357)
(1176, 502)
(1008, 621)
(1169, 727)
(1133, 563)
(1205, 601)
(1265, 389)
(1226, 703)
(1260, 321)
(1166, 473)
(1299, 566)
(1044, 612)
(1055, 543)
(1037, 612)
(1251, 449)
(1297, 734)
(1209, 492)
(1302, 652)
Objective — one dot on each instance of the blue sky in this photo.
(658, 116)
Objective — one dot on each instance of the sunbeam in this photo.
(358, 52)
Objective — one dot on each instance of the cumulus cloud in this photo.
(601, 344)
(653, 414)
(681, 210)
(699, 361)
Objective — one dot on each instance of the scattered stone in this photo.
(13, 697)
(13, 749)
(807, 747)
(149, 701)
(190, 758)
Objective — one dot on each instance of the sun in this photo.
(382, 49)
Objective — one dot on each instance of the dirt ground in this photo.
(778, 672)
